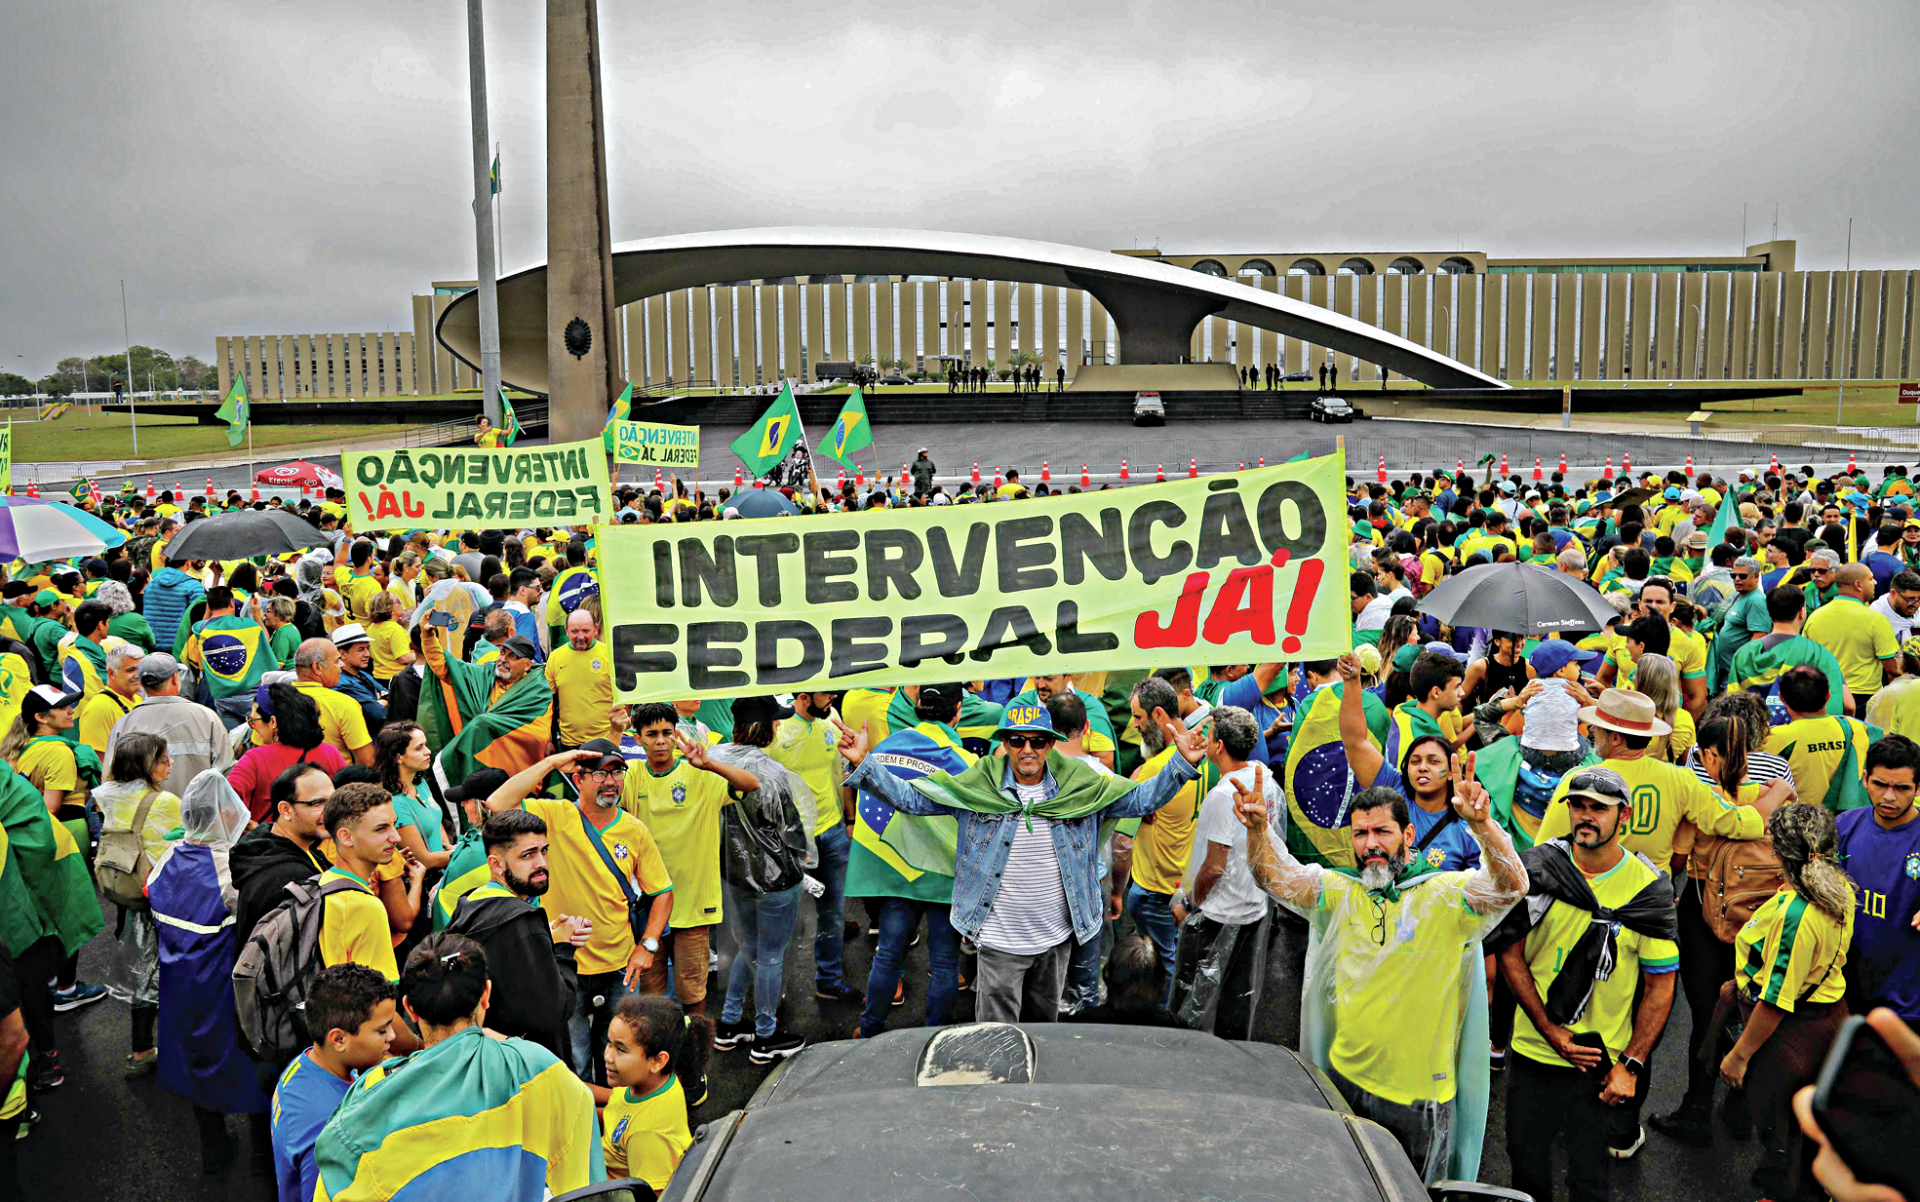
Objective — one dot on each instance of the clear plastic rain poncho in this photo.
(214, 817)
(1423, 935)
(753, 847)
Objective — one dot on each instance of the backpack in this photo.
(121, 866)
(277, 967)
(1741, 874)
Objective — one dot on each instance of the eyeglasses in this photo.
(604, 773)
(256, 718)
(1022, 742)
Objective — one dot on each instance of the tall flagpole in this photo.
(483, 218)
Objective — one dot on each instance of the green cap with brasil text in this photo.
(1026, 718)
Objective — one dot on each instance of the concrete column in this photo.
(1592, 289)
(767, 337)
(1864, 340)
(1719, 287)
(1666, 327)
(422, 366)
(1076, 329)
(1793, 325)
(700, 316)
(863, 323)
(1818, 364)
(1641, 335)
(1766, 327)
(1740, 326)
(221, 364)
(1441, 335)
(409, 383)
(1910, 355)
(1565, 325)
(1512, 299)
(1616, 355)
(1894, 308)
(581, 380)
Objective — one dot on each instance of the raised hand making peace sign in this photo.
(1470, 799)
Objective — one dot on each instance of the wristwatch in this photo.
(650, 943)
(1633, 1065)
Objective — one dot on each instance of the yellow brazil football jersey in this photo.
(583, 691)
(1663, 795)
(341, 721)
(681, 809)
(390, 642)
(49, 764)
(354, 928)
(1859, 638)
(810, 748)
(867, 707)
(1791, 951)
(1610, 1010)
(1815, 748)
(357, 591)
(582, 886)
(1386, 943)
(646, 1134)
(1165, 839)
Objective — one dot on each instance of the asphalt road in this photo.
(104, 1138)
(1216, 445)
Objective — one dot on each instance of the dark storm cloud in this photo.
(274, 166)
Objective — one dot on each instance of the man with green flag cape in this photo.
(1026, 874)
(497, 715)
(234, 411)
(1393, 1005)
(622, 411)
(767, 443)
(1759, 664)
(851, 432)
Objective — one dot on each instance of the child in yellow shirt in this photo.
(651, 1046)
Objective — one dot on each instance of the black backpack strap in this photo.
(1448, 819)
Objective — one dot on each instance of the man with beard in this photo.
(1394, 1005)
(1580, 1037)
(607, 872)
(269, 858)
(532, 991)
(503, 711)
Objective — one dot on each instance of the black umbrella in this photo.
(1521, 597)
(762, 503)
(244, 533)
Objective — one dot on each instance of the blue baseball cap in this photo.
(1026, 718)
(1441, 648)
(1672, 493)
(1554, 654)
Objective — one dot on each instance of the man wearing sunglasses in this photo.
(1743, 620)
(1027, 872)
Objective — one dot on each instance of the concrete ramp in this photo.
(1156, 377)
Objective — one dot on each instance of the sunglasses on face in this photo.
(1037, 742)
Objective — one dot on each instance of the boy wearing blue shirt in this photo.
(1880, 850)
(350, 1012)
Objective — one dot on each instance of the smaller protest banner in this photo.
(656, 445)
(498, 488)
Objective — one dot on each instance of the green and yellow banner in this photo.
(655, 444)
(6, 457)
(1237, 568)
(503, 488)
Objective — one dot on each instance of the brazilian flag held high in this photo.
(768, 442)
(509, 421)
(234, 411)
(851, 431)
(622, 411)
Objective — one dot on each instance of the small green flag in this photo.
(622, 411)
(767, 443)
(851, 431)
(493, 173)
(234, 412)
(509, 421)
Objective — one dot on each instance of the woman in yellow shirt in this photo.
(1789, 983)
(140, 768)
(392, 646)
(651, 1047)
(1656, 678)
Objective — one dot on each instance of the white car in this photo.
(1148, 409)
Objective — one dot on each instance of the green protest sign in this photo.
(490, 488)
(6, 457)
(1236, 568)
(656, 445)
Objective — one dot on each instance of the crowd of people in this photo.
(371, 828)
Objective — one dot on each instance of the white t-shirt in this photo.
(1902, 627)
(1234, 898)
(1378, 610)
(1029, 913)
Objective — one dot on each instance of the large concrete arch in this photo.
(1154, 306)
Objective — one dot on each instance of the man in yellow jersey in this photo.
(1394, 962)
(606, 872)
(1147, 875)
(353, 923)
(808, 743)
(1580, 1039)
(581, 673)
(678, 793)
(353, 576)
(1826, 752)
(317, 666)
(1687, 650)
(1623, 723)
(99, 713)
(1859, 638)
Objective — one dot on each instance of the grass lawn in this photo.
(76, 436)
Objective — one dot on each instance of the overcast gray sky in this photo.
(281, 166)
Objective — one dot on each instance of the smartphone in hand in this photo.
(1869, 1108)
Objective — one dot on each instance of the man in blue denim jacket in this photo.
(1050, 868)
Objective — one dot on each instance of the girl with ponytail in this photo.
(653, 1047)
(1789, 984)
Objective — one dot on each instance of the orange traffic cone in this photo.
(998, 480)
(209, 488)
(1609, 468)
(1046, 473)
(859, 476)
(33, 489)
(976, 471)
(1503, 463)
(737, 480)
(1160, 474)
(1626, 462)
(1689, 465)
(1539, 473)
(1124, 477)
(840, 479)
(1086, 481)
(1193, 468)
(1381, 473)
(151, 494)
(256, 490)
(1852, 467)
(1563, 463)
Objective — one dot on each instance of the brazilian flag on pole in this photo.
(509, 421)
(234, 412)
(851, 431)
(622, 411)
(770, 439)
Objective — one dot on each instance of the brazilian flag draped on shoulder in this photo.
(235, 653)
(1759, 664)
(1410, 722)
(470, 1117)
(234, 412)
(45, 888)
(473, 730)
(767, 443)
(622, 411)
(83, 666)
(905, 855)
(851, 431)
(979, 718)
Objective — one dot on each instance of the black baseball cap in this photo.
(607, 752)
(759, 709)
(941, 696)
(480, 784)
(521, 646)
